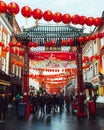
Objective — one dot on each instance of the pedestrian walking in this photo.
(3, 107)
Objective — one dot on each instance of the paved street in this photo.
(57, 121)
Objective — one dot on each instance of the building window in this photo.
(85, 76)
(95, 47)
(96, 69)
(102, 42)
(91, 72)
(16, 70)
(103, 63)
(13, 69)
(4, 37)
(2, 63)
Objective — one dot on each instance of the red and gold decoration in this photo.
(66, 18)
(26, 11)
(13, 8)
(89, 21)
(57, 17)
(82, 20)
(3, 7)
(48, 15)
(75, 19)
(37, 14)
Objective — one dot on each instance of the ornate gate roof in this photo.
(49, 32)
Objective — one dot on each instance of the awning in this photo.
(2, 82)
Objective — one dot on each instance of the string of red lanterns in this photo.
(37, 14)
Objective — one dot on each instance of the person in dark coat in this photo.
(3, 107)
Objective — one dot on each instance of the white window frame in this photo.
(2, 63)
(96, 68)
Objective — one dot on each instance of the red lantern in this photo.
(30, 44)
(53, 43)
(26, 11)
(3, 7)
(81, 39)
(93, 37)
(7, 49)
(82, 20)
(35, 44)
(1, 44)
(97, 21)
(48, 15)
(100, 35)
(75, 19)
(13, 8)
(47, 44)
(87, 38)
(11, 50)
(37, 14)
(63, 42)
(70, 41)
(90, 21)
(57, 17)
(66, 18)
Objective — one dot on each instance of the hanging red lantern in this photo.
(53, 43)
(3, 49)
(10, 44)
(30, 44)
(26, 11)
(7, 49)
(89, 21)
(47, 44)
(13, 8)
(81, 39)
(57, 17)
(75, 19)
(97, 21)
(70, 41)
(87, 38)
(66, 18)
(12, 50)
(82, 20)
(100, 35)
(35, 44)
(1, 44)
(3, 7)
(37, 14)
(93, 37)
(48, 15)
(63, 42)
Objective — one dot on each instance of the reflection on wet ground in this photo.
(57, 121)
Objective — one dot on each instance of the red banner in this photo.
(52, 55)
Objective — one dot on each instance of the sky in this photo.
(93, 8)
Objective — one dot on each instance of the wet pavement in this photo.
(57, 121)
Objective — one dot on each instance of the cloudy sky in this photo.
(88, 8)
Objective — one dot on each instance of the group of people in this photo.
(3, 107)
(46, 103)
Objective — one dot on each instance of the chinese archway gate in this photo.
(42, 34)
